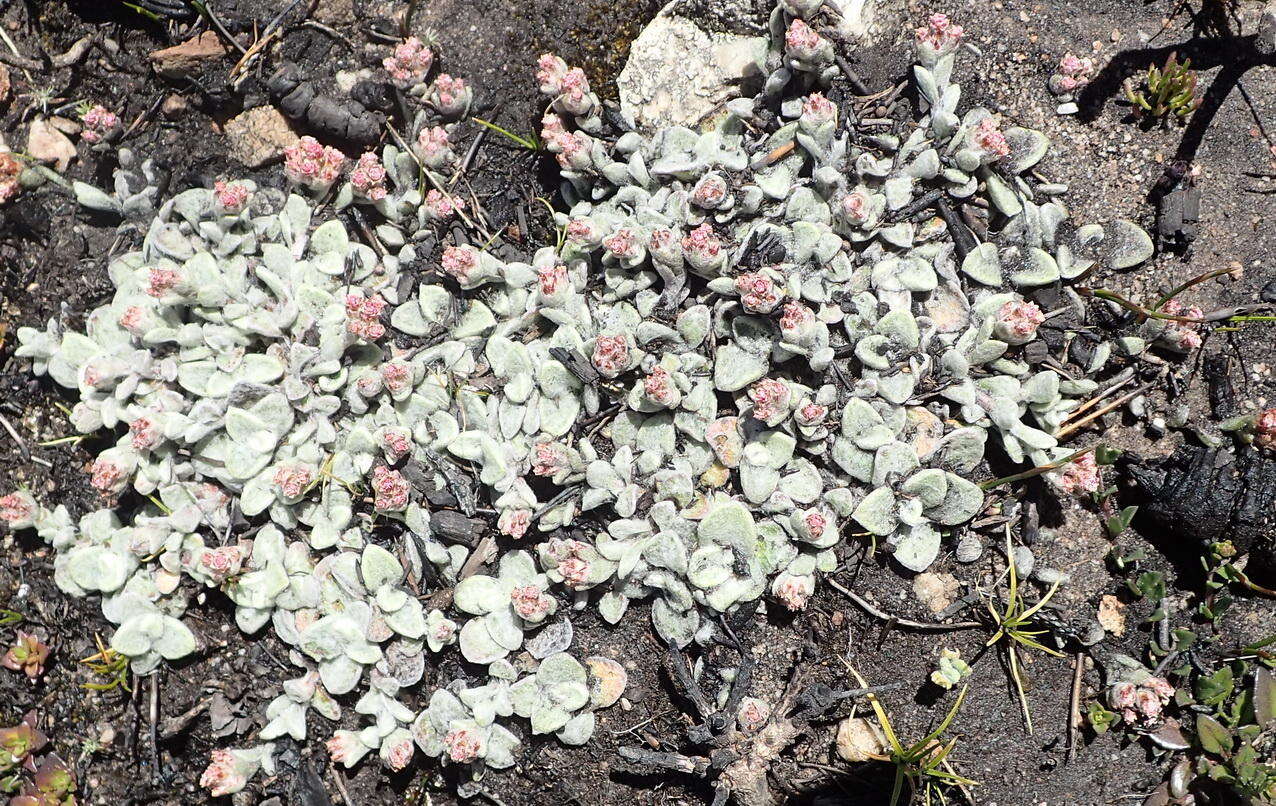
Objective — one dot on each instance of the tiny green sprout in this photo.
(1149, 585)
(109, 664)
(1013, 623)
(923, 765)
(951, 669)
(1117, 524)
(10, 617)
(1100, 718)
(1106, 454)
(1171, 90)
(531, 143)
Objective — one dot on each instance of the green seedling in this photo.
(108, 664)
(1013, 624)
(922, 766)
(1170, 90)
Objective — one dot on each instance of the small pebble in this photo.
(1024, 561)
(969, 549)
(1050, 576)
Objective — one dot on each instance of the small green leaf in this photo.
(1213, 689)
(1214, 738)
(1100, 718)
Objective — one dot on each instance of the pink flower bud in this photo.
(939, 36)
(222, 776)
(396, 376)
(611, 355)
(1265, 429)
(409, 64)
(460, 262)
(144, 434)
(711, 192)
(989, 140)
(770, 399)
(659, 388)
(1017, 321)
(108, 476)
(433, 148)
(390, 488)
(530, 603)
(818, 110)
(464, 745)
(292, 480)
(440, 207)
(1079, 476)
(18, 509)
(514, 522)
(231, 197)
(794, 592)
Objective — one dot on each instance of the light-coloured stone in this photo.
(181, 61)
(859, 739)
(936, 591)
(679, 74)
(684, 66)
(49, 145)
(259, 136)
(1112, 614)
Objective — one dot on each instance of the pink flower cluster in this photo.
(582, 231)
(433, 147)
(231, 197)
(345, 748)
(1018, 320)
(390, 489)
(144, 435)
(1265, 429)
(450, 95)
(622, 244)
(797, 321)
(815, 522)
(222, 776)
(293, 480)
(312, 165)
(611, 355)
(514, 522)
(710, 192)
(463, 745)
(99, 122)
(758, 292)
(794, 592)
(410, 63)
(988, 138)
(548, 459)
(753, 714)
(574, 150)
(363, 316)
(16, 508)
(802, 41)
(107, 476)
(665, 247)
(368, 177)
(1079, 476)
(397, 442)
(1072, 74)
(10, 169)
(396, 376)
(939, 34)
(810, 414)
(552, 279)
(770, 399)
(161, 282)
(1141, 704)
(818, 110)
(460, 261)
(441, 207)
(1182, 336)
(131, 319)
(659, 388)
(222, 563)
(701, 245)
(570, 86)
(856, 207)
(400, 754)
(530, 602)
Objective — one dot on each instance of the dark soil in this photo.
(127, 746)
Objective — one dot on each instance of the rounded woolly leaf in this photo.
(607, 681)
(379, 567)
(479, 595)
(477, 645)
(876, 512)
(578, 729)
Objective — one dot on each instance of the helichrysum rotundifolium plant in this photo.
(798, 354)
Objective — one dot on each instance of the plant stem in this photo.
(1036, 471)
(530, 145)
